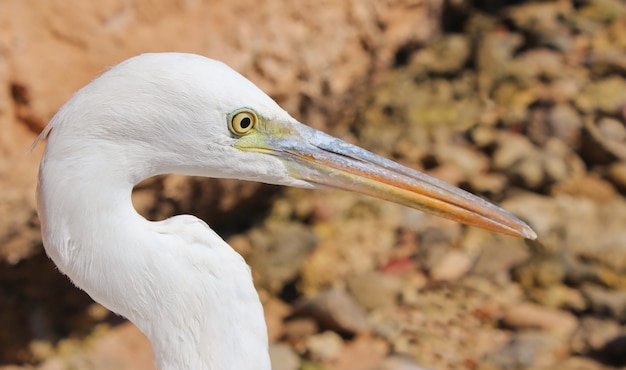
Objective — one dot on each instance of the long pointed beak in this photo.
(323, 160)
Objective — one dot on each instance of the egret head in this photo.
(186, 114)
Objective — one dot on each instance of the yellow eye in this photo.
(242, 122)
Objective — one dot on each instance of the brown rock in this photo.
(280, 249)
(529, 315)
(374, 289)
(528, 350)
(123, 347)
(397, 362)
(451, 266)
(363, 353)
(324, 347)
(336, 310)
(617, 175)
(300, 328)
(275, 312)
(593, 334)
(283, 357)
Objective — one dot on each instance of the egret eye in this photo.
(242, 122)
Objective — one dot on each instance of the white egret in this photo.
(177, 280)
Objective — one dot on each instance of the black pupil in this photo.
(245, 122)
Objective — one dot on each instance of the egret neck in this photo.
(178, 281)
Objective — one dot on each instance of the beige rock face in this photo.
(297, 52)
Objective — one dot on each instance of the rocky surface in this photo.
(524, 104)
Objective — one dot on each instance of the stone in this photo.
(604, 301)
(334, 309)
(280, 249)
(532, 316)
(325, 346)
(299, 328)
(374, 289)
(398, 362)
(528, 349)
(283, 357)
(452, 266)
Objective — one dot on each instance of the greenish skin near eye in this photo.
(243, 122)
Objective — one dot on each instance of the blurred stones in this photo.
(617, 175)
(334, 309)
(532, 167)
(528, 349)
(591, 187)
(565, 124)
(603, 301)
(275, 312)
(606, 96)
(545, 21)
(604, 141)
(374, 290)
(324, 347)
(603, 10)
(364, 352)
(593, 334)
(451, 266)
(280, 249)
(533, 316)
(283, 357)
(493, 54)
(298, 329)
(447, 55)
(536, 64)
(396, 362)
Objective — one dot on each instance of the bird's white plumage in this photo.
(179, 282)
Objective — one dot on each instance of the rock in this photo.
(299, 328)
(532, 316)
(324, 347)
(334, 309)
(527, 349)
(613, 351)
(511, 149)
(604, 301)
(565, 124)
(448, 54)
(588, 186)
(612, 129)
(544, 21)
(466, 159)
(482, 136)
(283, 357)
(451, 266)
(280, 249)
(603, 10)
(579, 363)
(123, 347)
(560, 162)
(399, 362)
(598, 148)
(606, 96)
(495, 254)
(493, 55)
(593, 334)
(536, 63)
(275, 312)
(617, 175)
(374, 289)
(364, 352)
(558, 296)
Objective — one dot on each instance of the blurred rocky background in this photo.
(522, 102)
